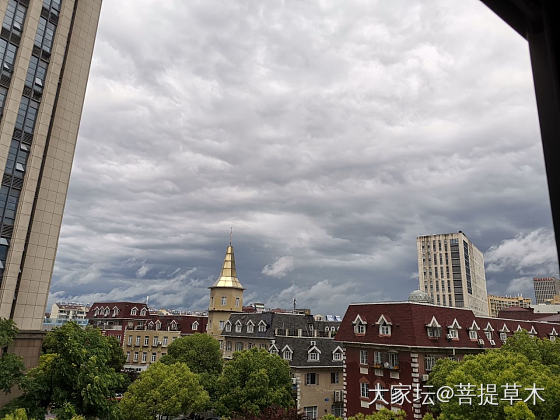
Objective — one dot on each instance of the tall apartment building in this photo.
(497, 303)
(46, 48)
(545, 288)
(451, 271)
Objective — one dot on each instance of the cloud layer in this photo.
(328, 137)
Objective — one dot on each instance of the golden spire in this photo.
(228, 276)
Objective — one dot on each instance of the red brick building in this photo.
(398, 343)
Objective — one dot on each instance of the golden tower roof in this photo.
(228, 276)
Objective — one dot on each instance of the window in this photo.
(221, 325)
(237, 302)
(195, 325)
(262, 326)
(135, 356)
(363, 357)
(224, 301)
(503, 336)
(238, 346)
(311, 379)
(137, 340)
(173, 325)
(364, 390)
(228, 326)
(153, 357)
(129, 342)
(313, 356)
(360, 328)
(250, 327)
(146, 340)
(143, 312)
(155, 341)
(429, 362)
(473, 335)
(310, 412)
(393, 360)
(228, 345)
(287, 354)
(238, 326)
(144, 357)
(488, 335)
(377, 358)
(250, 346)
(434, 332)
(128, 356)
(165, 340)
(384, 329)
(133, 311)
(453, 334)
(337, 356)
(334, 377)
(221, 344)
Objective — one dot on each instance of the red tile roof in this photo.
(124, 309)
(409, 321)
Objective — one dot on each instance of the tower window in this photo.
(224, 300)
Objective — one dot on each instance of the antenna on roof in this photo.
(294, 305)
(230, 234)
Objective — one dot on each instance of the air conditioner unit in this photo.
(425, 377)
(159, 343)
(492, 342)
(481, 341)
(449, 337)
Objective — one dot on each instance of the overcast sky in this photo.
(329, 136)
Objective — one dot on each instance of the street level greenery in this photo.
(11, 366)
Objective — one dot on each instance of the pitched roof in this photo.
(300, 347)
(228, 276)
(410, 321)
(123, 307)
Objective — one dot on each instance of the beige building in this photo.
(545, 288)
(226, 296)
(46, 48)
(497, 303)
(451, 271)
(144, 347)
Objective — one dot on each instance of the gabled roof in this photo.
(383, 320)
(300, 347)
(474, 326)
(433, 323)
(359, 320)
(504, 329)
(488, 327)
(455, 324)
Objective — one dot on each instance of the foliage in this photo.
(164, 390)
(252, 381)
(81, 367)
(202, 355)
(499, 367)
(273, 413)
(19, 414)
(11, 365)
(66, 412)
(383, 414)
(518, 411)
(428, 416)
(543, 351)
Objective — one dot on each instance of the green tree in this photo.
(164, 390)
(81, 368)
(252, 381)
(19, 414)
(543, 351)
(11, 365)
(518, 411)
(202, 355)
(499, 367)
(383, 414)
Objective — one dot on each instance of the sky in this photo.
(327, 137)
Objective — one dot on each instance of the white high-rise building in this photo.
(451, 271)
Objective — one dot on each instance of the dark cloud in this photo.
(328, 137)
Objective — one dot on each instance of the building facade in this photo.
(226, 296)
(308, 346)
(46, 48)
(61, 313)
(451, 271)
(497, 303)
(394, 344)
(545, 288)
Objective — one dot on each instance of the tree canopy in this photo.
(80, 367)
(11, 365)
(253, 380)
(164, 390)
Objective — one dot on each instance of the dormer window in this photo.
(96, 312)
(553, 334)
(532, 331)
(433, 328)
(313, 356)
(359, 325)
(473, 335)
(238, 326)
(115, 311)
(503, 336)
(143, 312)
(158, 324)
(453, 334)
(134, 311)
(228, 326)
(195, 325)
(262, 326)
(250, 327)
(488, 331)
(107, 311)
(273, 349)
(518, 328)
(173, 325)
(384, 326)
(337, 354)
(287, 353)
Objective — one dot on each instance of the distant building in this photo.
(545, 288)
(398, 343)
(61, 313)
(143, 334)
(497, 303)
(451, 271)
(307, 344)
